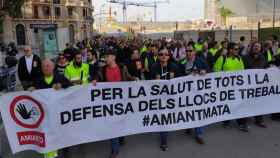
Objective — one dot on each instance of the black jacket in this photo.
(209, 59)
(151, 61)
(258, 62)
(133, 71)
(41, 84)
(199, 64)
(164, 72)
(35, 72)
(93, 71)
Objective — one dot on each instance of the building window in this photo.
(47, 11)
(57, 12)
(84, 12)
(35, 12)
(70, 11)
(56, 1)
(88, 12)
(20, 34)
(89, 1)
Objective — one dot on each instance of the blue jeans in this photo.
(163, 138)
(198, 131)
(115, 145)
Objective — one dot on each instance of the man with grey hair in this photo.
(29, 68)
(50, 79)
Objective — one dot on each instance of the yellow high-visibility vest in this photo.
(198, 47)
(228, 64)
(143, 49)
(269, 56)
(52, 154)
(278, 51)
(146, 62)
(213, 51)
(73, 73)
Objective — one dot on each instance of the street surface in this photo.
(220, 143)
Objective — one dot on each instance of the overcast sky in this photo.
(176, 10)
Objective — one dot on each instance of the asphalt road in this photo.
(220, 143)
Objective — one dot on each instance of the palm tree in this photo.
(225, 13)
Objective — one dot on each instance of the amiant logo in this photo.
(28, 113)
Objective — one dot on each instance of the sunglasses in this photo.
(163, 54)
(236, 48)
(189, 50)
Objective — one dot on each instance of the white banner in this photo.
(46, 120)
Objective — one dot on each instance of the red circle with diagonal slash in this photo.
(35, 103)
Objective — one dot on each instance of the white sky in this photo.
(176, 10)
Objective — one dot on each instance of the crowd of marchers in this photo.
(111, 59)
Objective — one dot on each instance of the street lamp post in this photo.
(100, 17)
(274, 13)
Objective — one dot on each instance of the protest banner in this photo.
(47, 120)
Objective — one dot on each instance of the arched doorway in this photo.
(20, 34)
(72, 33)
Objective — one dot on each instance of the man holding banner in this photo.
(256, 60)
(164, 70)
(194, 65)
(231, 62)
(114, 72)
(51, 80)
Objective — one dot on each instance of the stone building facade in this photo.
(47, 25)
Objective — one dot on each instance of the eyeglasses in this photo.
(163, 54)
(189, 50)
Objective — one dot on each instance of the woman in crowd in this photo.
(164, 70)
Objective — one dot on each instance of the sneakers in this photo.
(199, 140)
(163, 147)
(226, 124)
(244, 128)
(114, 155)
(188, 131)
